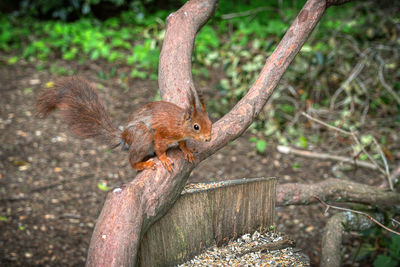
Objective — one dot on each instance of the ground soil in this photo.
(49, 193)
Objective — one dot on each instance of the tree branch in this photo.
(333, 235)
(131, 209)
(175, 66)
(233, 124)
(324, 156)
(359, 213)
(338, 191)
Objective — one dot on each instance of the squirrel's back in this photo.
(80, 107)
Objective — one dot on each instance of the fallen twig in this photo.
(325, 156)
(385, 163)
(337, 190)
(354, 73)
(328, 206)
(395, 222)
(383, 81)
(325, 124)
(355, 138)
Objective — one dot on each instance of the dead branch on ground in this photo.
(325, 156)
(356, 212)
(333, 235)
(358, 143)
(337, 190)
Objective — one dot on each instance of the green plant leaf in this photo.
(303, 141)
(395, 246)
(287, 108)
(138, 74)
(366, 139)
(253, 139)
(103, 187)
(296, 166)
(384, 261)
(12, 60)
(261, 146)
(95, 55)
(70, 54)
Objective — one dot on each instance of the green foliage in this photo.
(382, 247)
(296, 166)
(260, 144)
(392, 257)
(85, 39)
(238, 46)
(103, 186)
(72, 9)
(385, 261)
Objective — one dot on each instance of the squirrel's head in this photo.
(197, 124)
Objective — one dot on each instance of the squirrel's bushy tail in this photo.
(81, 109)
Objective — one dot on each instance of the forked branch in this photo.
(131, 209)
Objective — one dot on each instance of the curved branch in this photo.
(175, 67)
(131, 209)
(338, 191)
(333, 235)
(233, 124)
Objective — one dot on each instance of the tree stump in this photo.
(210, 213)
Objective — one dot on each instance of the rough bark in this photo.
(175, 66)
(333, 235)
(337, 190)
(233, 124)
(129, 211)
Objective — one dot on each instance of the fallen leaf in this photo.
(49, 84)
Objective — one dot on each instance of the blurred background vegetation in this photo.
(347, 74)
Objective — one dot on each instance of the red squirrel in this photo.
(152, 128)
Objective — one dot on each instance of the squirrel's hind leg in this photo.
(140, 142)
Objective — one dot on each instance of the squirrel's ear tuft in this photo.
(202, 103)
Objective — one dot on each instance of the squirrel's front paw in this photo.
(189, 155)
(166, 162)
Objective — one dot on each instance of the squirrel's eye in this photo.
(196, 127)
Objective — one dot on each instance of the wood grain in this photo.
(200, 219)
